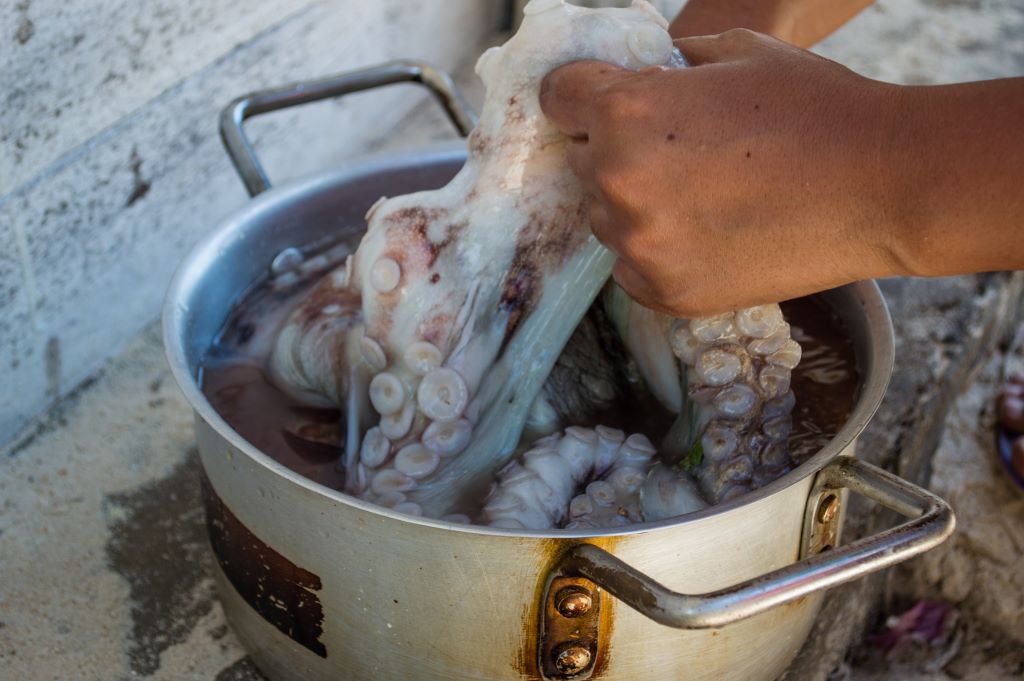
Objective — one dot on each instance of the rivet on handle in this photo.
(573, 601)
(572, 658)
(822, 526)
(828, 509)
(569, 640)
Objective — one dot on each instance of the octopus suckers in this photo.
(650, 44)
(422, 357)
(447, 439)
(416, 461)
(443, 394)
(375, 448)
(372, 353)
(473, 292)
(387, 394)
(397, 425)
(385, 275)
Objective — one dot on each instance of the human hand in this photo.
(757, 175)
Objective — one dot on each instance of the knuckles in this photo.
(687, 303)
(690, 309)
(740, 39)
(619, 104)
(679, 292)
(739, 36)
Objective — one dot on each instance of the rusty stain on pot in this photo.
(279, 590)
(551, 553)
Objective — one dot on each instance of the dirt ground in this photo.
(978, 574)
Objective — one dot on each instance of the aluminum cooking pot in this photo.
(319, 585)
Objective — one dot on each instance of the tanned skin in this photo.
(765, 172)
(798, 22)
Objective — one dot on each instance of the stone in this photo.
(105, 561)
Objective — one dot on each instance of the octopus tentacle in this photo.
(734, 368)
(536, 490)
(588, 478)
(468, 293)
(438, 334)
(738, 377)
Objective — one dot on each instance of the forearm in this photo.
(799, 22)
(764, 172)
(957, 185)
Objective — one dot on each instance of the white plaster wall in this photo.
(110, 163)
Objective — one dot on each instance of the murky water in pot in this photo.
(308, 439)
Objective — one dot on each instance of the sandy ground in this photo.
(979, 571)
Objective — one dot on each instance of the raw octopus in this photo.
(443, 336)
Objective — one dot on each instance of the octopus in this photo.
(474, 338)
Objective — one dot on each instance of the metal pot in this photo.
(319, 585)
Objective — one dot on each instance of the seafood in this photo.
(614, 473)
(442, 334)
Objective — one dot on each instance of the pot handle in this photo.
(234, 115)
(932, 522)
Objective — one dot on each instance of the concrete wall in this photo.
(110, 164)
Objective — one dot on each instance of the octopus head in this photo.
(555, 32)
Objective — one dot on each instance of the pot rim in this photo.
(204, 254)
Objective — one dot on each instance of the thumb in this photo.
(567, 93)
(728, 46)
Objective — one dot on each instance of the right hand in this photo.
(756, 175)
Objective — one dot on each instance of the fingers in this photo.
(633, 283)
(601, 224)
(610, 234)
(579, 157)
(606, 231)
(567, 93)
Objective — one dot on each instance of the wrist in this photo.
(910, 160)
(956, 163)
(895, 217)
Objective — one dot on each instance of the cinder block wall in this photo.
(110, 163)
